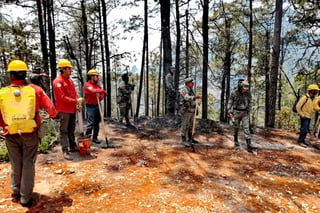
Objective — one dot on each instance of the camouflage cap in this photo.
(187, 80)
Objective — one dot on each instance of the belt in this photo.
(91, 105)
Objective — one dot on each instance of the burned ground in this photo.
(153, 172)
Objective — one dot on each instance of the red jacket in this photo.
(42, 100)
(90, 91)
(65, 94)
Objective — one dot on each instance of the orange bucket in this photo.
(83, 145)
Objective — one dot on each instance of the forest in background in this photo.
(273, 43)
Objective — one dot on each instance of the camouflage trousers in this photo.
(124, 111)
(244, 117)
(186, 124)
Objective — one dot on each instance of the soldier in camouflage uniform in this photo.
(124, 98)
(170, 91)
(188, 106)
(239, 106)
(36, 77)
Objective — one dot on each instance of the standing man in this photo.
(170, 91)
(239, 107)
(124, 98)
(66, 99)
(91, 89)
(19, 118)
(305, 108)
(188, 106)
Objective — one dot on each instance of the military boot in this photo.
(236, 142)
(191, 139)
(185, 142)
(250, 148)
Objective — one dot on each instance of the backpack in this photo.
(17, 104)
(294, 107)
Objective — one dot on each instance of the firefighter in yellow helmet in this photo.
(305, 107)
(91, 90)
(67, 100)
(19, 119)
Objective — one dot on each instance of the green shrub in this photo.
(286, 119)
(4, 156)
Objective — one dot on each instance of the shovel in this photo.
(108, 145)
(83, 141)
(194, 123)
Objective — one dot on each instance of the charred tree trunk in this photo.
(177, 62)
(85, 35)
(106, 84)
(41, 6)
(166, 39)
(225, 85)
(146, 56)
(267, 73)
(270, 115)
(205, 59)
(52, 40)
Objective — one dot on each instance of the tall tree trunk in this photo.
(52, 40)
(107, 110)
(177, 62)
(102, 53)
(41, 6)
(205, 59)
(250, 43)
(225, 84)
(165, 34)
(147, 56)
(274, 65)
(159, 80)
(267, 74)
(281, 61)
(85, 35)
(187, 43)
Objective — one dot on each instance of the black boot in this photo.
(88, 134)
(191, 139)
(236, 142)
(184, 141)
(95, 140)
(250, 148)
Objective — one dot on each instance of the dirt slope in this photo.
(152, 172)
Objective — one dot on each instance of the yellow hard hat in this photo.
(313, 87)
(64, 63)
(17, 65)
(92, 72)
